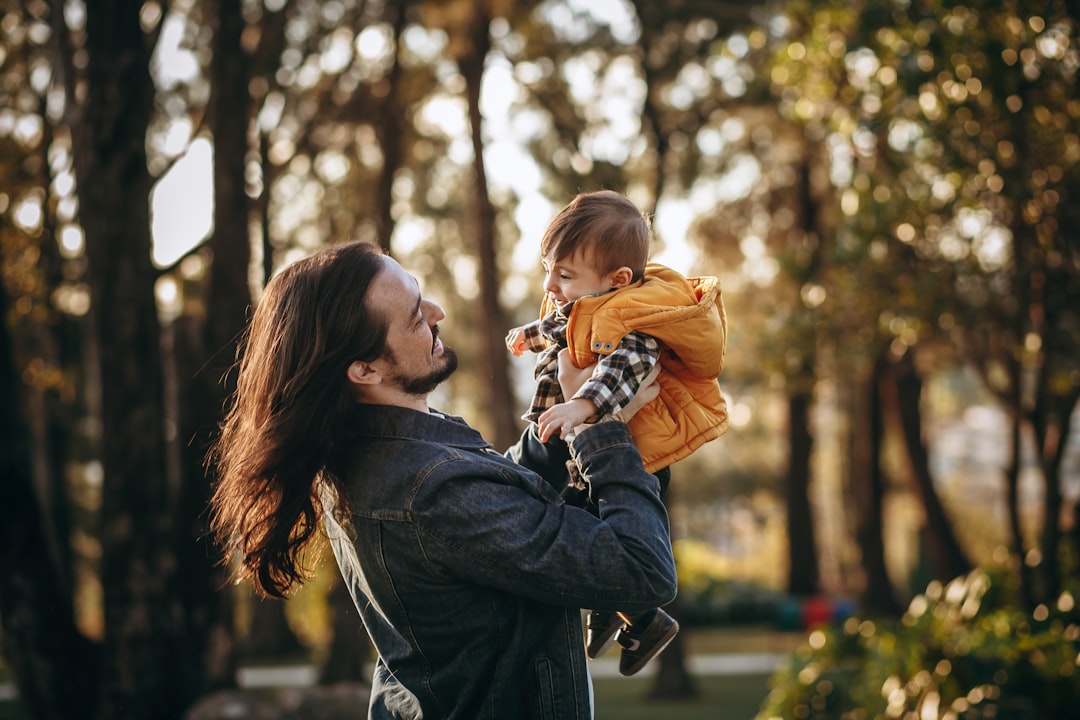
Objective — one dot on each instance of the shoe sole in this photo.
(660, 647)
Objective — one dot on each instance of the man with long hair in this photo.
(467, 567)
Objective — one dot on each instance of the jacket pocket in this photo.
(545, 690)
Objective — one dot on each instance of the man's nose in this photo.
(434, 313)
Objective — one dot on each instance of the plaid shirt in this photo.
(614, 382)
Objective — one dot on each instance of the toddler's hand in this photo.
(515, 341)
(563, 417)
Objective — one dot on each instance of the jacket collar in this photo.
(391, 421)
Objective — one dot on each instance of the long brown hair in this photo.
(280, 436)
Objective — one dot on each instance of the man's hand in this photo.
(647, 392)
(571, 379)
(563, 417)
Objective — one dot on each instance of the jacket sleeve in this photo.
(548, 460)
(496, 531)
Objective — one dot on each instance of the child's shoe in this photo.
(601, 627)
(642, 644)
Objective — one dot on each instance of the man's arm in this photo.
(506, 532)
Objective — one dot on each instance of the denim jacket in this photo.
(469, 570)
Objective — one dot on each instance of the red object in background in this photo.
(816, 611)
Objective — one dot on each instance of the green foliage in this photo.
(963, 650)
(724, 601)
(709, 595)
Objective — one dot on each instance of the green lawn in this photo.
(731, 697)
(734, 697)
(742, 638)
(728, 697)
(11, 710)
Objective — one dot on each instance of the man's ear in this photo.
(360, 372)
(620, 278)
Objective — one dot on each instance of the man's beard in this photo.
(424, 384)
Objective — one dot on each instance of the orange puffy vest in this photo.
(687, 318)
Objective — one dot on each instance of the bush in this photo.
(964, 651)
(709, 596)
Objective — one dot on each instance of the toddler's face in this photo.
(572, 277)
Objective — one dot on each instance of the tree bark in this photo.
(1028, 584)
(1052, 422)
(947, 557)
(139, 564)
(269, 636)
(204, 354)
(869, 488)
(52, 339)
(673, 679)
(803, 573)
(493, 325)
(53, 663)
(388, 131)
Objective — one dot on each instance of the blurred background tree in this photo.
(886, 190)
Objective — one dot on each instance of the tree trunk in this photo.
(802, 549)
(388, 130)
(493, 355)
(204, 354)
(1030, 589)
(1052, 422)
(869, 488)
(52, 339)
(804, 574)
(269, 636)
(673, 679)
(948, 559)
(53, 663)
(1028, 585)
(138, 568)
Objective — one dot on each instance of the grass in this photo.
(732, 697)
(12, 710)
(741, 639)
(727, 697)
(735, 697)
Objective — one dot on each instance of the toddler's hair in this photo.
(609, 229)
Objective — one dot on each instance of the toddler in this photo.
(606, 304)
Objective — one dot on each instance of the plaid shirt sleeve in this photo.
(619, 375)
(534, 337)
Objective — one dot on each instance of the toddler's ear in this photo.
(621, 278)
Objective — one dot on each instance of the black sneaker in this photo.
(640, 645)
(600, 630)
